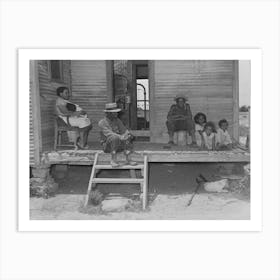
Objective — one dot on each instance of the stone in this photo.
(43, 185)
(40, 172)
(34, 181)
(217, 186)
(115, 205)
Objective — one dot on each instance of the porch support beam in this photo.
(110, 80)
(235, 97)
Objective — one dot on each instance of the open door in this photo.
(140, 98)
(131, 92)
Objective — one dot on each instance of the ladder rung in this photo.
(118, 180)
(108, 166)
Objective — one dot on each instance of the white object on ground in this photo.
(216, 186)
(247, 169)
(115, 204)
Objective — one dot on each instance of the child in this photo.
(200, 121)
(223, 139)
(209, 136)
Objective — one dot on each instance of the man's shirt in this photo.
(109, 128)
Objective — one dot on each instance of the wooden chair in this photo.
(61, 127)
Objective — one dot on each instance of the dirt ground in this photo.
(170, 188)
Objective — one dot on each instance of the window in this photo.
(56, 70)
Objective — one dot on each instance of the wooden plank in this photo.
(108, 166)
(92, 175)
(235, 96)
(151, 67)
(145, 183)
(90, 87)
(36, 110)
(48, 97)
(199, 158)
(137, 133)
(133, 104)
(86, 158)
(211, 90)
(117, 180)
(110, 77)
(31, 129)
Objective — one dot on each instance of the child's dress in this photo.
(223, 137)
(198, 129)
(208, 140)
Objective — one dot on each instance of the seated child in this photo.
(209, 136)
(76, 108)
(223, 139)
(200, 121)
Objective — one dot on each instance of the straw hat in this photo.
(112, 108)
(182, 96)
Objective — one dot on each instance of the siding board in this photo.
(31, 130)
(210, 86)
(47, 100)
(90, 90)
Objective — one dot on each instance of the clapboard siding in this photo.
(90, 90)
(209, 83)
(47, 99)
(31, 130)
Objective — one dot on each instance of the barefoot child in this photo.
(223, 139)
(200, 121)
(209, 136)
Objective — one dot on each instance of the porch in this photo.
(156, 152)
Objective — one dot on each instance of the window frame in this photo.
(61, 79)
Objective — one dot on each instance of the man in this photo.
(180, 118)
(114, 135)
(73, 115)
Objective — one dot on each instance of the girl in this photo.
(209, 136)
(200, 121)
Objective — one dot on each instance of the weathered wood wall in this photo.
(212, 85)
(91, 89)
(47, 99)
(31, 130)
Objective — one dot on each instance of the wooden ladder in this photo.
(133, 180)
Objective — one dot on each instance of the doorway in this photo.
(140, 107)
(131, 92)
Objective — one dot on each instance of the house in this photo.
(145, 90)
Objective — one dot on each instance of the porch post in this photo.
(235, 97)
(36, 110)
(151, 69)
(110, 80)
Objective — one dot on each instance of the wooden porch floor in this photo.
(156, 153)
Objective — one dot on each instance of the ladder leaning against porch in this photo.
(142, 181)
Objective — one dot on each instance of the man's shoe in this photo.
(114, 163)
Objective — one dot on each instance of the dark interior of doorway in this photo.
(131, 92)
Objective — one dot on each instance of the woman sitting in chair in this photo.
(73, 115)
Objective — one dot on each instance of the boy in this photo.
(223, 139)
